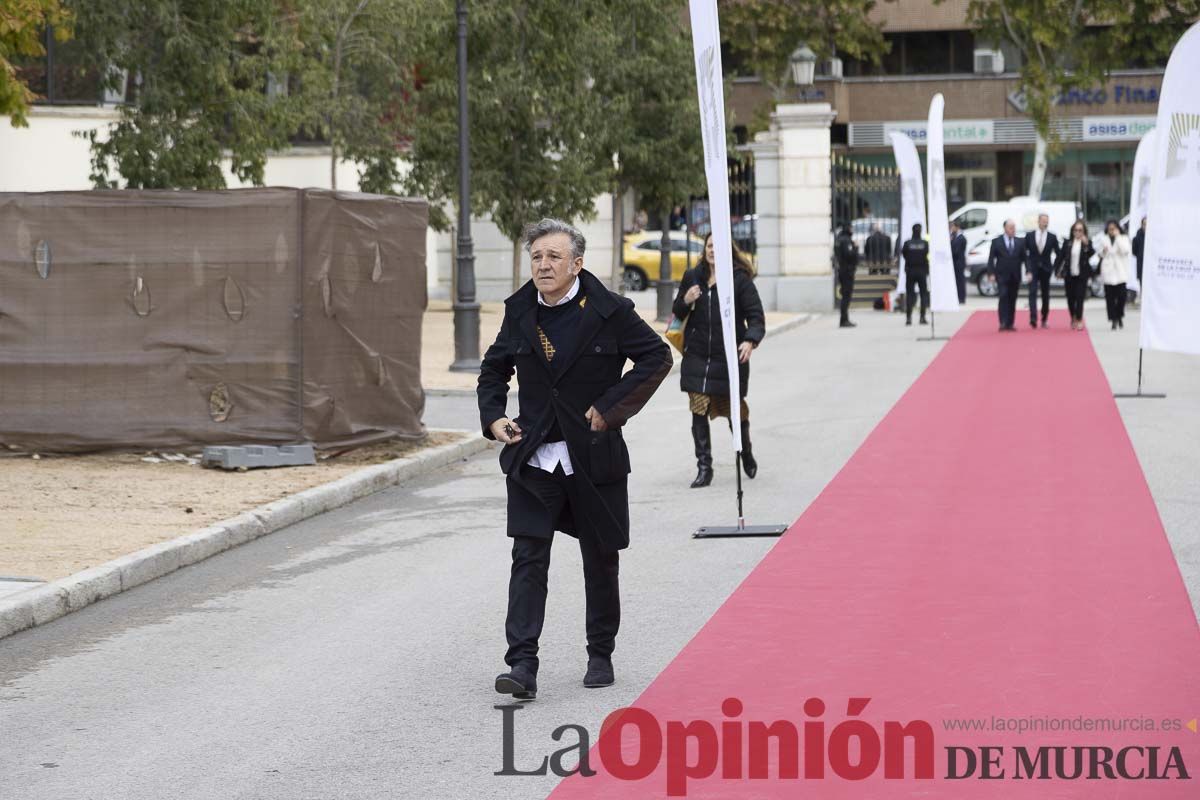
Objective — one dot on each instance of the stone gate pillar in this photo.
(792, 199)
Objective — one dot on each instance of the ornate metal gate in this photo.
(866, 196)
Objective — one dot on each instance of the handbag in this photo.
(674, 334)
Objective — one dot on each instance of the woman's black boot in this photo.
(749, 465)
(703, 440)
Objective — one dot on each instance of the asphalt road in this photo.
(352, 655)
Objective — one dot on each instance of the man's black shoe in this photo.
(599, 673)
(1032, 323)
(519, 682)
(848, 324)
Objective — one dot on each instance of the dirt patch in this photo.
(62, 514)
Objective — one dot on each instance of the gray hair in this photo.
(536, 230)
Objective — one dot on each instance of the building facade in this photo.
(989, 138)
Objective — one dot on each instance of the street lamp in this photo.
(466, 309)
(804, 66)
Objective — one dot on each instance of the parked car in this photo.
(986, 220)
(861, 228)
(642, 253)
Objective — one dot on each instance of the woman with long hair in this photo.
(1115, 249)
(703, 374)
(1075, 268)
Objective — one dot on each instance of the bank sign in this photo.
(1116, 129)
(954, 131)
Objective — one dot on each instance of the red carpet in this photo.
(992, 550)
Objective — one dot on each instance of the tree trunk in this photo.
(333, 166)
(618, 241)
(1038, 176)
(666, 290)
(516, 265)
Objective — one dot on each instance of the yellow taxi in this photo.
(642, 254)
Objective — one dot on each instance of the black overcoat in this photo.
(703, 369)
(610, 332)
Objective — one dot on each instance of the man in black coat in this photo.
(878, 250)
(846, 253)
(567, 337)
(1041, 248)
(958, 254)
(1139, 249)
(916, 274)
(1004, 261)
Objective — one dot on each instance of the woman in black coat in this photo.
(1075, 268)
(703, 374)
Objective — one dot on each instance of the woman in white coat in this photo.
(1114, 250)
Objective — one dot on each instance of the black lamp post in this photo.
(466, 308)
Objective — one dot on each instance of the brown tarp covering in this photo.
(156, 319)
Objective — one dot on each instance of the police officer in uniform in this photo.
(916, 273)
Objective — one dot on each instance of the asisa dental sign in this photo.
(635, 745)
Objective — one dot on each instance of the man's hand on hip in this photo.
(593, 416)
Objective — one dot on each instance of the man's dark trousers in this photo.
(1010, 289)
(527, 587)
(913, 281)
(1040, 279)
(846, 283)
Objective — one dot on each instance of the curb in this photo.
(39, 605)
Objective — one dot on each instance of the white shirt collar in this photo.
(566, 298)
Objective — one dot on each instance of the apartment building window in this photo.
(63, 76)
(920, 53)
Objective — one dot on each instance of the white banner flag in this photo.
(710, 85)
(1171, 265)
(943, 289)
(1139, 195)
(912, 193)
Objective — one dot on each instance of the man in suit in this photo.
(878, 250)
(1041, 248)
(567, 337)
(916, 274)
(1004, 261)
(958, 253)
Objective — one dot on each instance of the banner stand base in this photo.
(737, 531)
(1139, 392)
(933, 339)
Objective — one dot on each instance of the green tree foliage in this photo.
(22, 25)
(354, 79)
(198, 73)
(765, 32)
(1070, 44)
(648, 79)
(536, 122)
(649, 86)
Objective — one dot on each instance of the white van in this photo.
(986, 220)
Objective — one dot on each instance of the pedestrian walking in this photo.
(703, 374)
(846, 255)
(567, 337)
(958, 255)
(1139, 248)
(1114, 251)
(1074, 266)
(1041, 248)
(916, 274)
(1005, 261)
